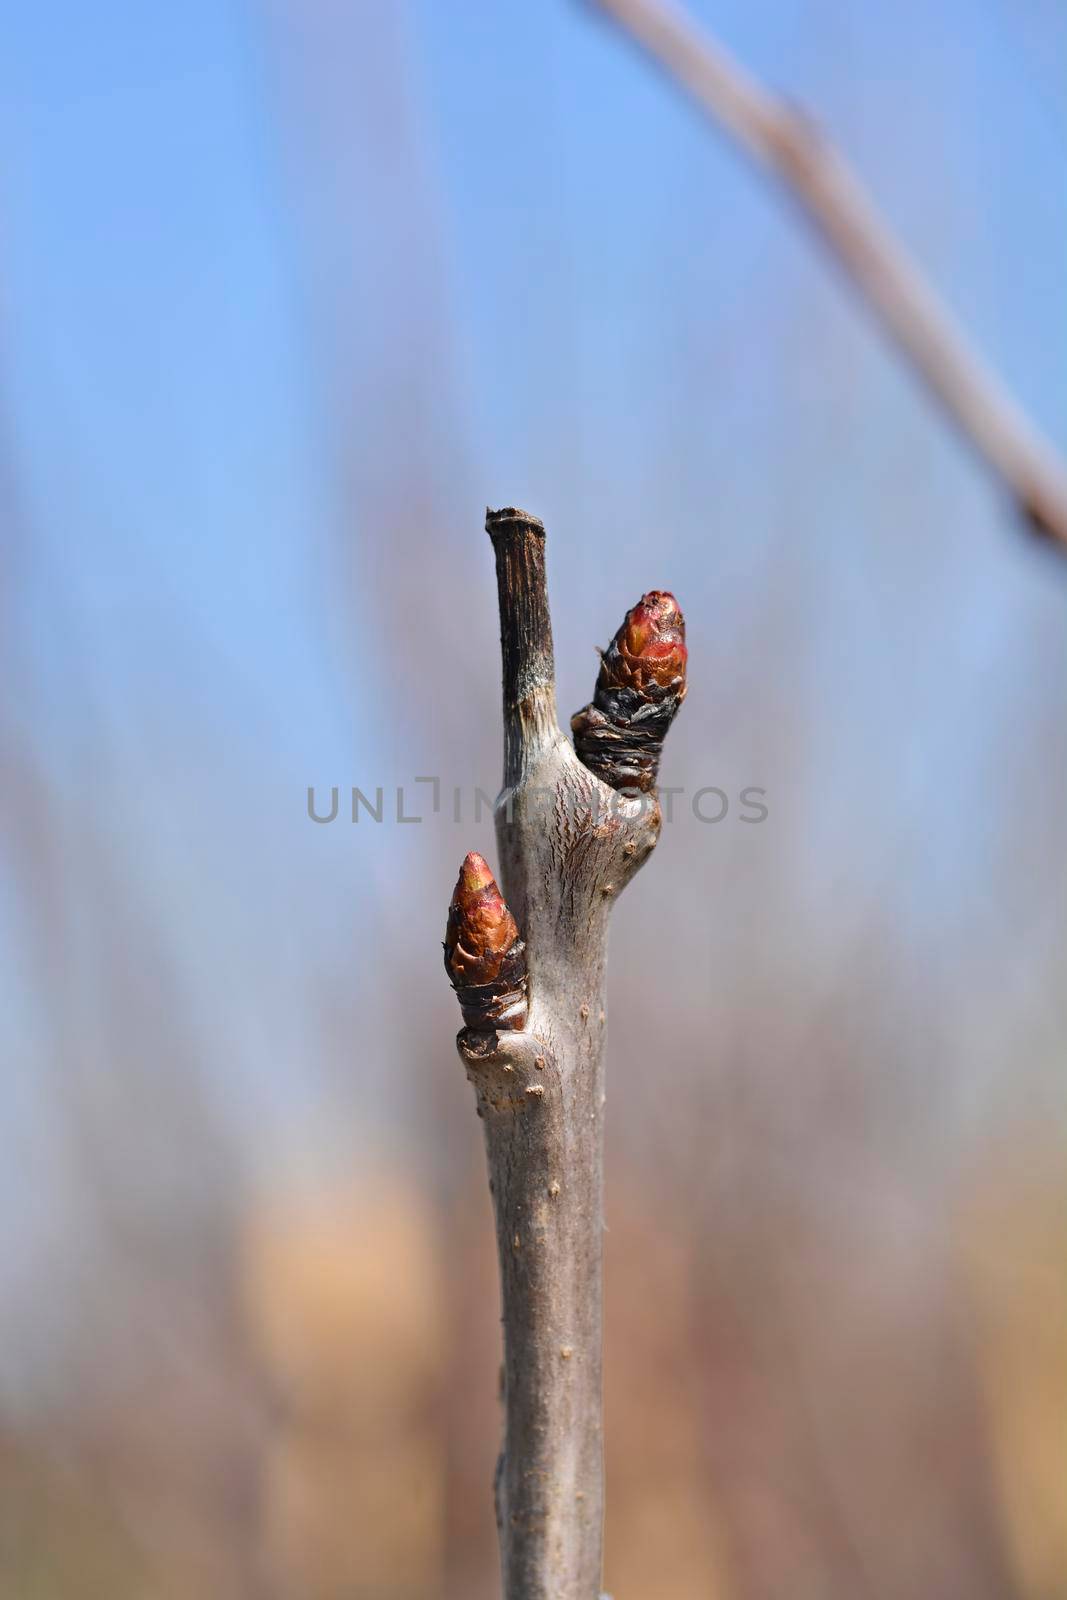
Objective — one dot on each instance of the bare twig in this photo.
(784, 139)
(568, 845)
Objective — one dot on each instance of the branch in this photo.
(783, 139)
(568, 843)
(525, 639)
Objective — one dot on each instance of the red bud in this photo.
(639, 689)
(481, 930)
(649, 647)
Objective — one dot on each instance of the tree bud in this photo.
(639, 689)
(649, 647)
(484, 956)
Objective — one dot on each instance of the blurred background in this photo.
(291, 289)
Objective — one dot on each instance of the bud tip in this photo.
(650, 644)
(474, 874)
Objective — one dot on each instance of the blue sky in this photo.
(291, 292)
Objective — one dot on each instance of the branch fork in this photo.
(568, 844)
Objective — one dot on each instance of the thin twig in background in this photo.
(780, 137)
